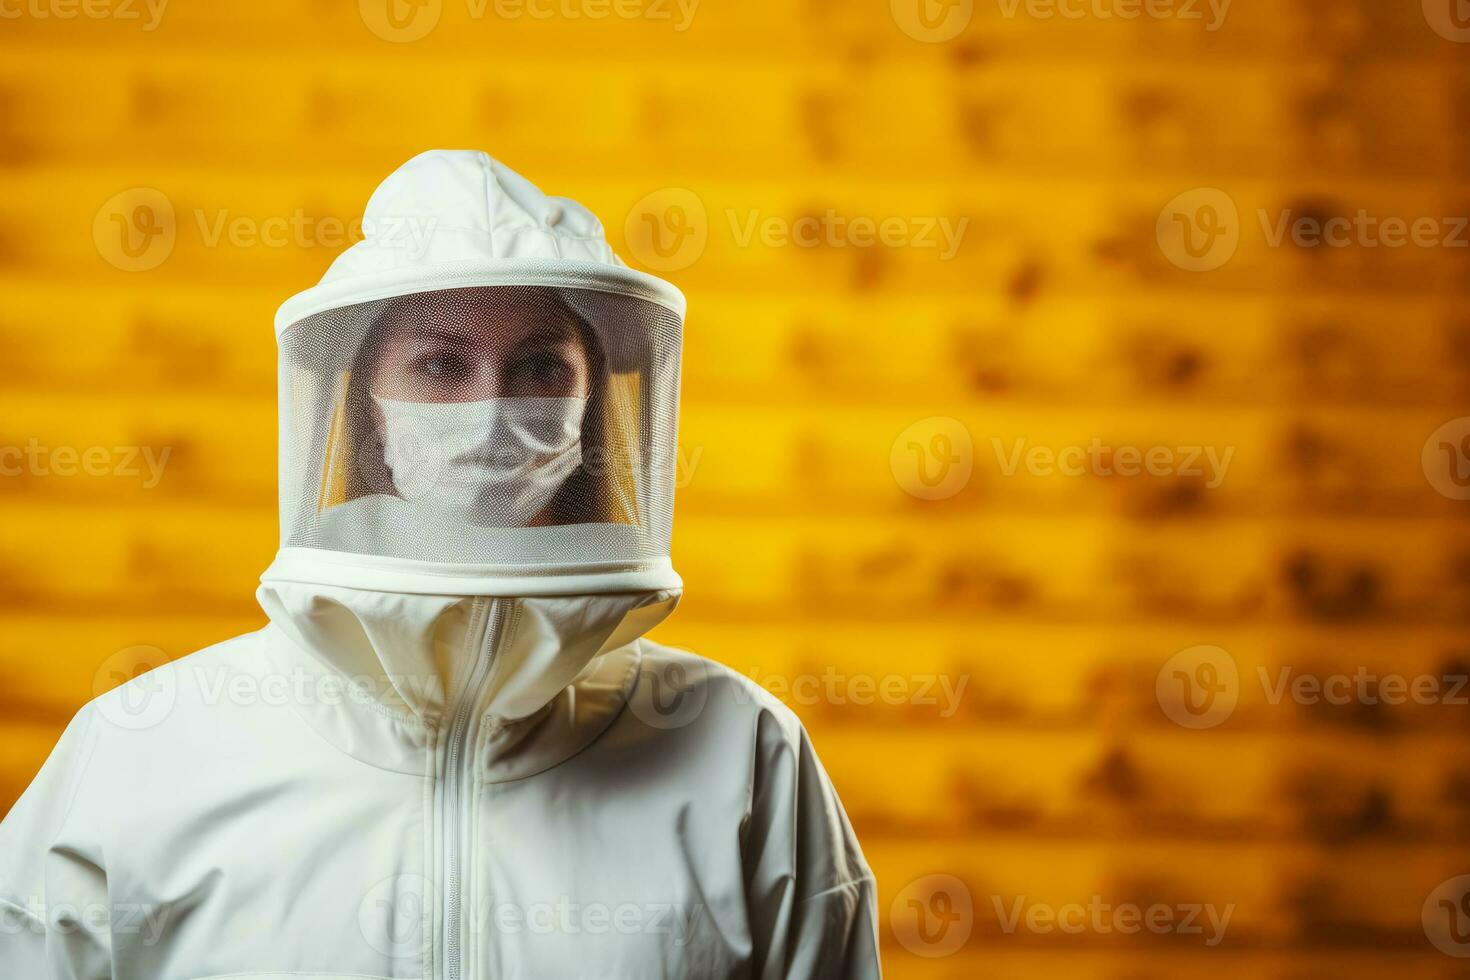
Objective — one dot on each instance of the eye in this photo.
(542, 370)
(441, 366)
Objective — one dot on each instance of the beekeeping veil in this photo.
(478, 398)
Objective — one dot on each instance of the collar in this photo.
(379, 674)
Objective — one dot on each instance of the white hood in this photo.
(460, 218)
(376, 588)
(456, 239)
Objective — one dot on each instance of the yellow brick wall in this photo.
(1016, 633)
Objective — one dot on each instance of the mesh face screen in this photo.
(502, 424)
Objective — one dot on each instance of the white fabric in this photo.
(395, 781)
(452, 218)
(478, 224)
(420, 215)
(504, 457)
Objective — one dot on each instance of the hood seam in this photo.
(628, 690)
(430, 748)
(487, 168)
(376, 707)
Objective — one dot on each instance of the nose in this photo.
(487, 381)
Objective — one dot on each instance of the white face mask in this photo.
(496, 463)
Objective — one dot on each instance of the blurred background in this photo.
(1074, 411)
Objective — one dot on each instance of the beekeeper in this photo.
(451, 753)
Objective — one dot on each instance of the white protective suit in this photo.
(450, 753)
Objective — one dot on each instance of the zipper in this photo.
(456, 760)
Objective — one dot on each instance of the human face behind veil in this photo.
(482, 404)
(478, 352)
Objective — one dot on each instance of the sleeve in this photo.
(54, 917)
(811, 900)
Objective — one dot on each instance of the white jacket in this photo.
(441, 769)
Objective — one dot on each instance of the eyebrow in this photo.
(421, 331)
(553, 333)
(547, 333)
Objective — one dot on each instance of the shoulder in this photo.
(707, 705)
(129, 730)
(170, 697)
(727, 720)
(707, 681)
